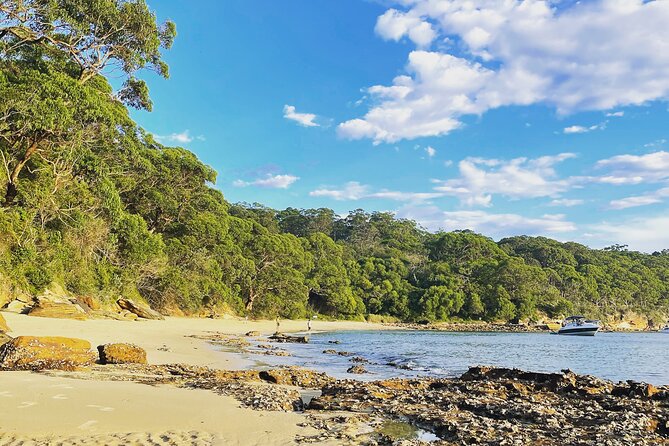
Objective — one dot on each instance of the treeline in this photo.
(94, 203)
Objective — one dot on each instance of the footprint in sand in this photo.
(87, 425)
(101, 408)
(60, 396)
(26, 404)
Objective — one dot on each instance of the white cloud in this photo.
(353, 191)
(270, 182)
(634, 169)
(566, 202)
(394, 25)
(657, 196)
(178, 138)
(481, 178)
(493, 225)
(594, 55)
(581, 129)
(647, 234)
(618, 114)
(431, 151)
(303, 119)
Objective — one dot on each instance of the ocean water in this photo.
(614, 356)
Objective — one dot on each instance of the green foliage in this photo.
(95, 204)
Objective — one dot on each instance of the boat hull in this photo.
(589, 331)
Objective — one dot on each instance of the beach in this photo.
(40, 409)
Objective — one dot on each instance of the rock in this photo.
(58, 310)
(18, 306)
(142, 311)
(330, 351)
(4, 328)
(90, 302)
(295, 376)
(253, 334)
(121, 354)
(357, 369)
(280, 337)
(359, 359)
(334, 342)
(40, 353)
(4, 339)
(128, 315)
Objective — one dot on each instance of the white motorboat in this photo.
(578, 326)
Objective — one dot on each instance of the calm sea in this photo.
(614, 356)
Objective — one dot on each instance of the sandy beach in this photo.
(41, 409)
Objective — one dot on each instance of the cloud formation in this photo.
(270, 182)
(303, 119)
(491, 224)
(178, 138)
(573, 56)
(353, 191)
(481, 178)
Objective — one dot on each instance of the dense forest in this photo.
(92, 202)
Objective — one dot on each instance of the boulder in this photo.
(4, 328)
(140, 310)
(357, 369)
(121, 354)
(253, 333)
(90, 302)
(40, 353)
(280, 337)
(58, 310)
(19, 306)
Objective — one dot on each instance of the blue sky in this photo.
(515, 117)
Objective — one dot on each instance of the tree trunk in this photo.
(249, 303)
(12, 182)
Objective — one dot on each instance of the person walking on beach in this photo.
(309, 324)
(278, 324)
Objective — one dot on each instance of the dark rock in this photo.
(280, 337)
(253, 333)
(357, 369)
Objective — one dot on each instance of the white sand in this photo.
(38, 409)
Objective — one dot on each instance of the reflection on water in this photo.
(615, 356)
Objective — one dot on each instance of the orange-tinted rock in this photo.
(90, 302)
(121, 354)
(140, 310)
(58, 310)
(4, 328)
(39, 353)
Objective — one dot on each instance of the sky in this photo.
(505, 117)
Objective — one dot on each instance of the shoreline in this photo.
(191, 393)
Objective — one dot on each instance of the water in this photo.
(614, 356)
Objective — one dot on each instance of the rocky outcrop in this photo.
(40, 353)
(140, 310)
(121, 354)
(357, 369)
(20, 304)
(4, 339)
(4, 328)
(280, 337)
(59, 310)
(296, 376)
